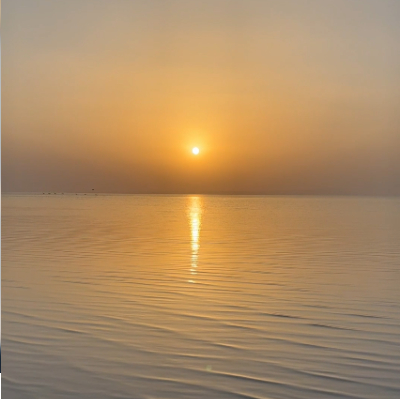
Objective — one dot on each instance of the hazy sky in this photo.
(281, 96)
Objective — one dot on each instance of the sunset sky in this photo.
(280, 96)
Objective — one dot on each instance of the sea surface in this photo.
(112, 296)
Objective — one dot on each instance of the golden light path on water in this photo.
(194, 213)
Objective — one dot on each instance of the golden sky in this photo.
(280, 96)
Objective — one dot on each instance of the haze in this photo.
(281, 97)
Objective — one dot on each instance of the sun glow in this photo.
(195, 150)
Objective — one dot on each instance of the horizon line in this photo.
(201, 194)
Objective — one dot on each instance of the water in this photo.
(209, 296)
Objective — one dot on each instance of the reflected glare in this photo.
(194, 213)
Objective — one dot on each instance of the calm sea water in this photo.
(209, 296)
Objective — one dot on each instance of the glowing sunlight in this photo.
(194, 213)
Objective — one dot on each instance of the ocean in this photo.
(156, 296)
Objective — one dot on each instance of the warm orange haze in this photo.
(200, 199)
(282, 97)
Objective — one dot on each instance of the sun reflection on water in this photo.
(194, 213)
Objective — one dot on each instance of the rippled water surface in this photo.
(208, 296)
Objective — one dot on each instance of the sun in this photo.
(195, 150)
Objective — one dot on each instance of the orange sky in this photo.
(281, 97)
